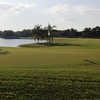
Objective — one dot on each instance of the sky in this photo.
(24, 14)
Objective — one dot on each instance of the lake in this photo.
(17, 42)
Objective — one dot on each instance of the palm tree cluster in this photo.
(40, 33)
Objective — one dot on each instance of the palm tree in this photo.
(37, 32)
(50, 35)
(43, 33)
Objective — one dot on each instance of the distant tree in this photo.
(49, 32)
(86, 32)
(96, 31)
(26, 33)
(92, 32)
(8, 34)
(71, 32)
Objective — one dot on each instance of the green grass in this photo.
(67, 70)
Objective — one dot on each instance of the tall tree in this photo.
(50, 34)
(37, 32)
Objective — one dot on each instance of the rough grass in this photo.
(67, 70)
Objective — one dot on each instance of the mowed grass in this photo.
(68, 70)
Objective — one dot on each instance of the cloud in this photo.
(73, 14)
(68, 10)
(62, 13)
(87, 10)
(6, 7)
(20, 7)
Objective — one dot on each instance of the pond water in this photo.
(17, 42)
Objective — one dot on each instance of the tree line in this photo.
(40, 32)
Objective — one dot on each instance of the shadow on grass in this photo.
(90, 61)
(50, 45)
(3, 52)
(58, 44)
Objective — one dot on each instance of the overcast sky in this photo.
(24, 14)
